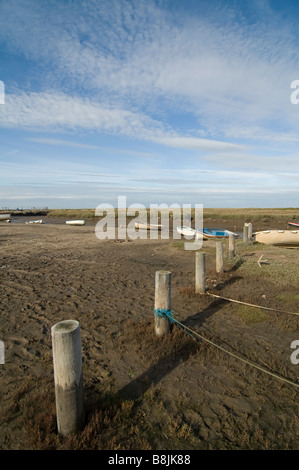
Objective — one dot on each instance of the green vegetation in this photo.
(288, 297)
(250, 214)
(251, 315)
(72, 213)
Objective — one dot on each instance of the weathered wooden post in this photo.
(68, 377)
(249, 225)
(2, 353)
(245, 233)
(231, 245)
(219, 257)
(162, 301)
(200, 272)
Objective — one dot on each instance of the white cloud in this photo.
(58, 111)
(195, 143)
(136, 56)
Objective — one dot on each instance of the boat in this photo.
(277, 237)
(149, 226)
(293, 224)
(186, 231)
(4, 217)
(213, 233)
(75, 222)
(34, 222)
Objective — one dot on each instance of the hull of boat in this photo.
(216, 234)
(149, 226)
(186, 231)
(4, 217)
(75, 222)
(34, 222)
(278, 237)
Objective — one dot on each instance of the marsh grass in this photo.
(276, 216)
(287, 297)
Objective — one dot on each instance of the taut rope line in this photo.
(251, 305)
(162, 313)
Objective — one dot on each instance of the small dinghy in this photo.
(34, 222)
(278, 237)
(5, 217)
(75, 222)
(211, 233)
(149, 226)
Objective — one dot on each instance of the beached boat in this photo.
(75, 222)
(277, 237)
(149, 226)
(186, 231)
(4, 217)
(212, 233)
(34, 222)
(293, 224)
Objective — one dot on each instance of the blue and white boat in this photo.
(208, 233)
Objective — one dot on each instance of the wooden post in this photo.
(162, 301)
(219, 257)
(200, 272)
(231, 245)
(245, 233)
(67, 360)
(249, 225)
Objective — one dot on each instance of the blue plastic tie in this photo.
(163, 313)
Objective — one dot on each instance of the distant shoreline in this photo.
(228, 218)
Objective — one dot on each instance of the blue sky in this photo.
(184, 102)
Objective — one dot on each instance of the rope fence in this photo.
(168, 315)
(251, 305)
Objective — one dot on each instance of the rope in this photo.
(162, 313)
(251, 305)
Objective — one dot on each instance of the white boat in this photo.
(34, 222)
(149, 226)
(186, 231)
(75, 222)
(4, 217)
(205, 234)
(277, 237)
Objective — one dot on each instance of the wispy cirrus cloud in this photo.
(229, 75)
(60, 112)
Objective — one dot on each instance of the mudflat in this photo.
(142, 392)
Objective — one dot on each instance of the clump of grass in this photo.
(110, 420)
(287, 297)
(179, 245)
(251, 315)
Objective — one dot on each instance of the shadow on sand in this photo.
(154, 374)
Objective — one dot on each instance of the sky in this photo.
(160, 102)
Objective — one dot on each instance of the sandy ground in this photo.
(171, 393)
